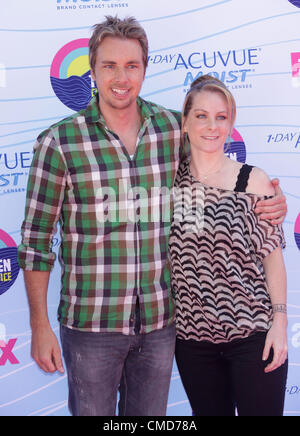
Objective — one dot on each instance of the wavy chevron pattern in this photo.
(217, 245)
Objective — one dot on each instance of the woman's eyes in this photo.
(219, 117)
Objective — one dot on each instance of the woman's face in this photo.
(208, 123)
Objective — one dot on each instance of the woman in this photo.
(228, 273)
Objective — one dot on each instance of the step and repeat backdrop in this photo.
(253, 46)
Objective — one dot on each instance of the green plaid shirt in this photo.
(114, 213)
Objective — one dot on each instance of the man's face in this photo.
(119, 73)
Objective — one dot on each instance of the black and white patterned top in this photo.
(217, 245)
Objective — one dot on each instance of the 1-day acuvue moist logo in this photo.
(70, 75)
(231, 66)
(9, 267)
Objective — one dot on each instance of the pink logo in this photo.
(295, 64)
(7, 353)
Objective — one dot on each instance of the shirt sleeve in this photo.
(265, 237)
(45, 194)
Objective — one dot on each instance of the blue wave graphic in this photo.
(60, 29)
(26, 67)
(74, 92)
(58, 117)
(10, 100)
(267, 105)
(41, 128)
(293, 196)
(295, 3)
(16, 144)
(268, 125)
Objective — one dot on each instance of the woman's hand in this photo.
(276, 339)
(273, 209)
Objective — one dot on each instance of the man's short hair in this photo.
(128, 28)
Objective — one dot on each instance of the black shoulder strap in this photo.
(243, 177)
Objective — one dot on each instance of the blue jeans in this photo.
(100, 364)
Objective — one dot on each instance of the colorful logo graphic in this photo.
(7, 354)
(297, 231)
(236, 149)
(70, 75)
(296, 64)
(295, 3)
(9, 267)
(6, 348)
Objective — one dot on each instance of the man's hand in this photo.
(45, 350)
(273, 209)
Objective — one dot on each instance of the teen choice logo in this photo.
(70, 75)
(297, 231)
(9, 267)
(295, 3)
(236, 149)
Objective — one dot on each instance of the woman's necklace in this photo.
(205, 176)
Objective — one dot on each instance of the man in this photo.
(89, 173)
